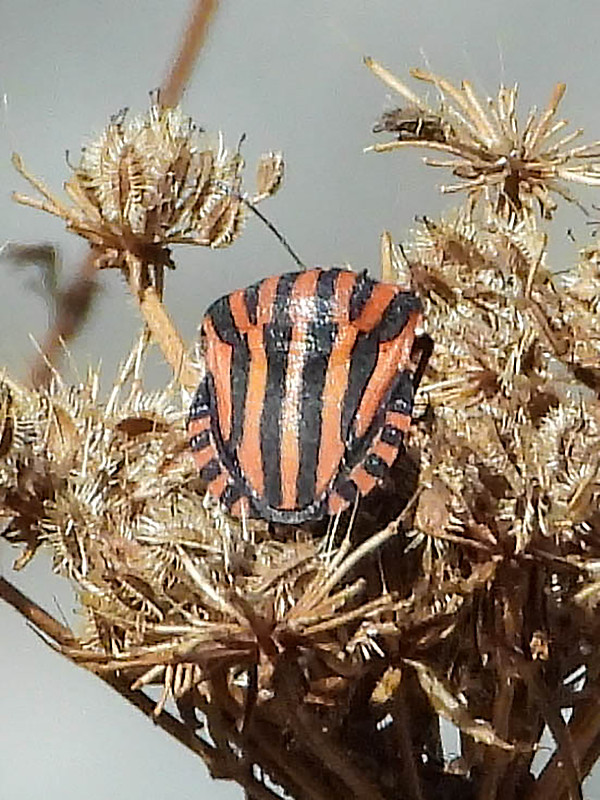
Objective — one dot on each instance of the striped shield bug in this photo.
(308, 392)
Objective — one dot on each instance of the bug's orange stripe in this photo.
(393, 355)
(385, 451)
(198, 425)
(249, 450)
(398, 420)
(362, 479)
(302, 311)
(331, 447)
(217, 486)
(237, 304)
(202, 457)
(374, 308)
(218, 362)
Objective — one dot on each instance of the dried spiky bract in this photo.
(492, 153)
(151, 181)
(269, 176)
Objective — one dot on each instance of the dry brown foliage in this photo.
(320, 662)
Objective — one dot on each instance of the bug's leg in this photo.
(423, 346)
(383, 450)
(234, 497)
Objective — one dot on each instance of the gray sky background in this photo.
(290, 76)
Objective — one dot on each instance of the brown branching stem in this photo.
(36, 615)
(584, 744)
(167, 337)
(59, 636)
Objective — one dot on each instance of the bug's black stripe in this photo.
(240, 362)
(251, 300)
(277, 333)
(375, 465)
(396, 315)
(222, 319)
(226, 458)
(200, 441)
(225, 327)
(400, 399)
(362, 363)
(239, 391)
(320, 337)
(363, 288)
(200, 406)
(211, 470)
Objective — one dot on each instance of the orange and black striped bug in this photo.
(308, 392)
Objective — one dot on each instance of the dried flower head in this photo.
(492, 154)
(154, 180)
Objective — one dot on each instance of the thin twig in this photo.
(73, 307)
(36, 615)
(584, 729)
(193, 38)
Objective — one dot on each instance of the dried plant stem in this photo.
(36, 615)
(367, 547)
(146, 285)
(323, 747)
(321, 750)
(191, 44)
(402, 728)
(167, 337)
(584, 730)
(495, 761)
(392, 81)
(57, 635)
(262, 742)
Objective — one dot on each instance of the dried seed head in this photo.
(154, 180)
(492, 154)
(269, 176)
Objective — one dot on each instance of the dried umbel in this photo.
(509, 453)
(154, 180)
(285, 649)
(492, 154)
(504, 384)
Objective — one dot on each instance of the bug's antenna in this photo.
(283, 241)
(250, 202)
